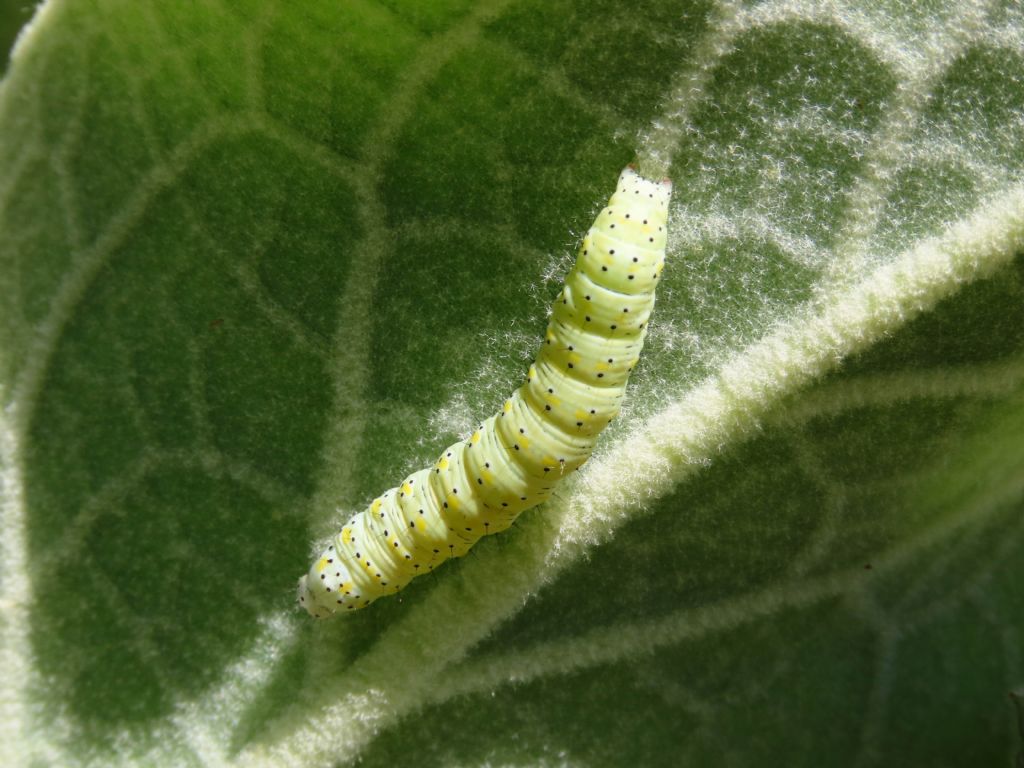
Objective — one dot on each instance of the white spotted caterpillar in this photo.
(547, 428)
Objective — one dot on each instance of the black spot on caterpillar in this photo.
(546, 429)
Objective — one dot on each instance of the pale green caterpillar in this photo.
(546, 429)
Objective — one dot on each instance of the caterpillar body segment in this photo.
(546, 429)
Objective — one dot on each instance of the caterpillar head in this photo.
(327, 588)
(305, 597)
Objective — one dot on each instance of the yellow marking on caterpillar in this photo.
(322, 564)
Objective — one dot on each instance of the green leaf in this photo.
(261, 259)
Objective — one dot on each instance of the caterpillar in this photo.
(546, 429)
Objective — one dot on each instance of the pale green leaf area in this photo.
(260, 259)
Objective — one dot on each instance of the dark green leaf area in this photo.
(667, 709)
(695, 548)
(55, 108)
(983, 323)
(966, 133)
(472, 152)
(178, 571)
(865, 678)
(444, 288)
(716, 297)
(973, 497)
(791, 111)
(620, 56)
(171, 449)
(260, 298)
(978, 103)
(873, 444)
(175, 96)
(958, 659)
(36, 256)
(114, 129)
(280, 228)
(332, 68)
(250, 363)
(92, 421)
(172, 69)
(505, 106)
(403, 441)
(107, 679)
(284, 689)
(915, 207)
(208, 42)
(432, 17)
